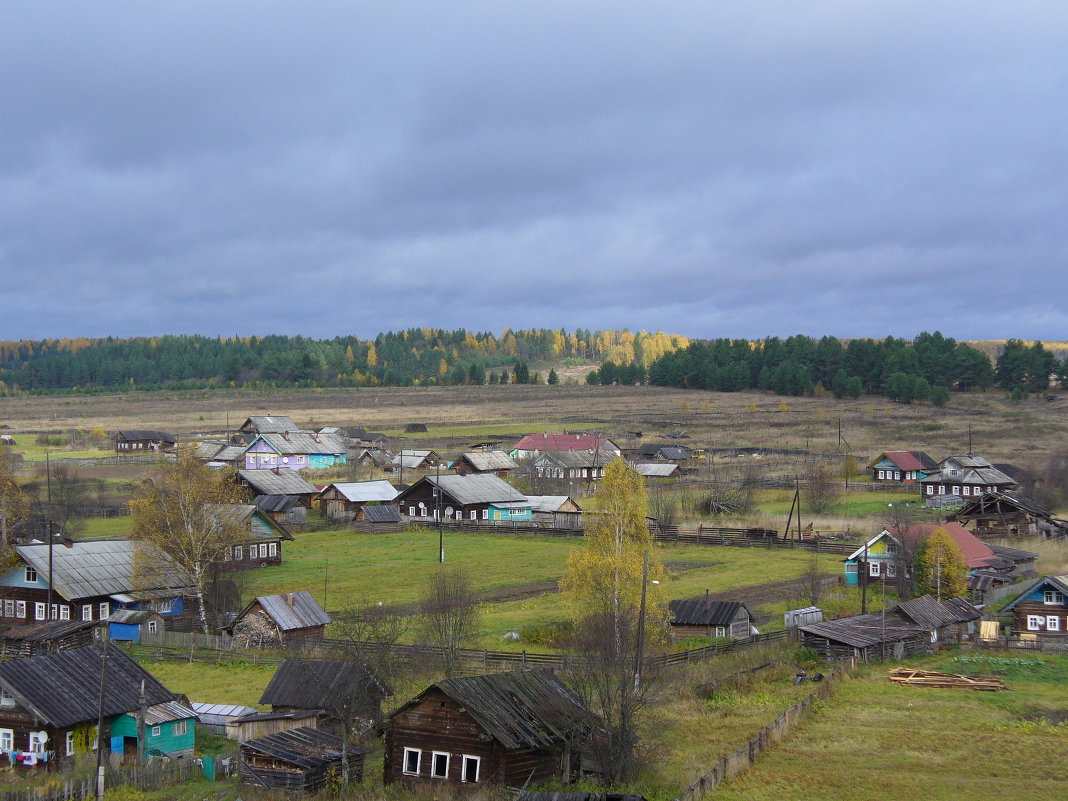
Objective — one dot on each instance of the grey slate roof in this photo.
(261, 527)
(165, 712)
(576, 459)
(365, 491)
(132, 617)
(301, 442)
(930, 614)
(476, 489)
(487, 461)
(45, 630)
(219, 714)
(275, 424)
(306, 684)
(137, 434)
(63, 689)
(275, 503)
(382, 514)
(281, 481)
(304, 747)
(968, 470)
(100, 567)
(291, 610)
(655, 469)
(862, 631)
(520, 708)
(548, 503)
(702, 612)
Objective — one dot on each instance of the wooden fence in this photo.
(730, 765)
(155, 775)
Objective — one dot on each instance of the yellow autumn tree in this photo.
(372, 356)
(943, 572)
(604, 580)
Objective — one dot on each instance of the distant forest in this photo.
(402, 358)
(926, 368)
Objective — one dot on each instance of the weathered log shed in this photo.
(301, 760)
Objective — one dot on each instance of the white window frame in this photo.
(272, 549)
(851, 567)
(68, 744)
(882, 474)
(37, 741)
(87, 611)
(1053, 623)
(721, 631)
(64, 612)
(6, 699)
(474, 514)
(897, 475)
(956, 489)
(239, 552)
(156, 731)
(467, 759)
(40, 611)
(411, 511)
(20, 609)
(418, 762)
(485, 514)
(105, 610)
(9, 608)
(1052, 598)
(226, 554)
(31, 575)
(153, 626)
(874, 568)
(7, 740)
(891, 570)
(1034, 622)
(434, 764)
(180, 727)
(930, 489)
(967, 490)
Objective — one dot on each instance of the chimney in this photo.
(708, 601)
(68, 542)
(285, 435)
(291, 599)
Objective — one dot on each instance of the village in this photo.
(391, 608)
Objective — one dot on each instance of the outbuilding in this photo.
(298, 760)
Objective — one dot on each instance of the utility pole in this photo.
(863, 573)
(100, 721)
(142, 712)
(441, 535)
(641, 625)
(48, 531)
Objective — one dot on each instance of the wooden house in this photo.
(901, 466)
(653, 452)
(655, 470)
(959, 478)
(281, 493)
(470, 497)
(130, 625)
(1004, 513)
(92, 578)
(892, 552)
(142, 441)
(303, 760)
(257, 724)
(1042, 609)
(170, 730)
(261, 545)
(416, 460)
(572, 465)
(296, 450)
(49, 705)
(516, 728)
(558, 511)
(703, 617)
(280, 620)
(948, 621)
(267, 424)
(327, 687)
(47, 637)
(498, 463)
(534, 444)
(351, 500)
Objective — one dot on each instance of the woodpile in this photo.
(931, 678)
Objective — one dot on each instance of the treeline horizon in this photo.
(926, 368)
(416, 356)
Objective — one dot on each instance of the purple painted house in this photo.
(295, 450)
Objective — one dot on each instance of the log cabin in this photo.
(471, 497)
(1042, 609)
(302, 760)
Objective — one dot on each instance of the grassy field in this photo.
(351, 568)
(874, 740)
(96, 527)
(218, 684)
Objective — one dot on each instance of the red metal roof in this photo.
(976, 553)
(904, 459)
(560, 442)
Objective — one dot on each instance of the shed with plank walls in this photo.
(300, 760)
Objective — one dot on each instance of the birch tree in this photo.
(943, 571)
(187, 511)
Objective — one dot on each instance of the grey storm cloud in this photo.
(730, 169)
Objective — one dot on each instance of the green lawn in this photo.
(876, 740)
(224, 683)
(107, 527)
(851, 504)
(32, 452)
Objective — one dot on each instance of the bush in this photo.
(550, 635)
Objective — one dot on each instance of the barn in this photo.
(298, 760)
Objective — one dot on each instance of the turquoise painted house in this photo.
(296, 450)
(170, 730)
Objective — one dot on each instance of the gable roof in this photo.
(305, 747)
(704, 612)
(261, 526)
(654, 469)
(519, 708)
(301, 442)
(364, 491)
(563, 442)
(577, 459)
(472, 489)
(137, 434)
(291, 610)
(489, 460)
(45, 630)
(1056, 583)
(907, 460)
(861, 631)
(102, 567)
(278, 481)
(63, 689)
(968, 469)
(930, 614)
(976, 552)
(548, 503)
(306, 684)
(387, 513)
(273, 424)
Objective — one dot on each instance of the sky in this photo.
(736, 169)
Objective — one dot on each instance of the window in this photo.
(87, 612)
(7, 740)
(485, 514)
(941, 489)
(411, 511)
(238, 552)
(1053, 623)
(967, 490)
(882, 474)
(1052, 597)
(181, 727)
(891, 548)
(873, 568)
(31, 575)
(930, 489)
(1034, 622)
(39, 611)
(55, 612)
(105, 610)
(439, 765)
(95, 740)
(272, 549)
(9, 608)
(474, 514)
(20, 609)
(721, 631)
(6, 699)
(891, 570)
(155, 731)
(897, 475)
(226, 554)
(64, 612)
(38, 739)
(470, 771)
(153, 626)
(68, 748)
(411, 761)
(956, 490)
(851, 567)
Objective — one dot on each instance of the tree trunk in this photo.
(202, 611)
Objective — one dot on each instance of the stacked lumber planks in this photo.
(931, 678)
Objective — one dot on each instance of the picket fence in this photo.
(153, 776)
(730, 765)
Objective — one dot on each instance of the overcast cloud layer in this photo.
(713, 169)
